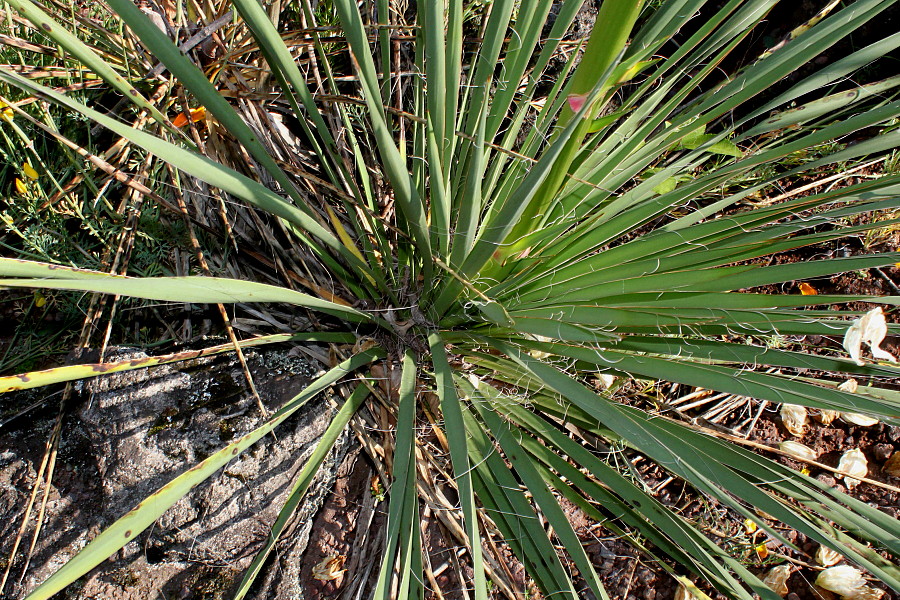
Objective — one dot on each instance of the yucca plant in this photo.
(502, 242)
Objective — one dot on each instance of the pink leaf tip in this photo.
(576, 102)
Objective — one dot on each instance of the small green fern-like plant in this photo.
(503, 245)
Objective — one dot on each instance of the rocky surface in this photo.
(133, 432)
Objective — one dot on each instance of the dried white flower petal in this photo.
(853, 464)
(858, 419)
(331, 567)
(688, 591)
(777, 578)
(794, 418)
(849, 386)
(682, 593)
(606, 380)
(825, 417)
(797, 449)
(870, 328)
(865, 593)
(842, 579)
(827, 557)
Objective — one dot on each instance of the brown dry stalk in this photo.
(201, 259)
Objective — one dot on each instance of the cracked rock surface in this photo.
(131, 433)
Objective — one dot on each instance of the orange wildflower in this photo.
(197, 114)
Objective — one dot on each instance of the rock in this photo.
(137, 431)
(894, 433)
(825, 478)
(882, 452)
(892, 465)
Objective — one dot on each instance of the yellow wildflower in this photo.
(29, 171)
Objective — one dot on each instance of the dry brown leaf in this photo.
(858, 419)
(605, 380)
(807, 290)
(892, 465)
(849, 386)
(865, 593)
(825, 417)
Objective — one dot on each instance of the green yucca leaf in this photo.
(194, 79)
(403, 543)
(406, 194)
(500, 494)
(728, 379)
(642, 510)
(648, 436)
(616, 19)
(545, 501)
(452, 410)
(204, 290)
(286, 68)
